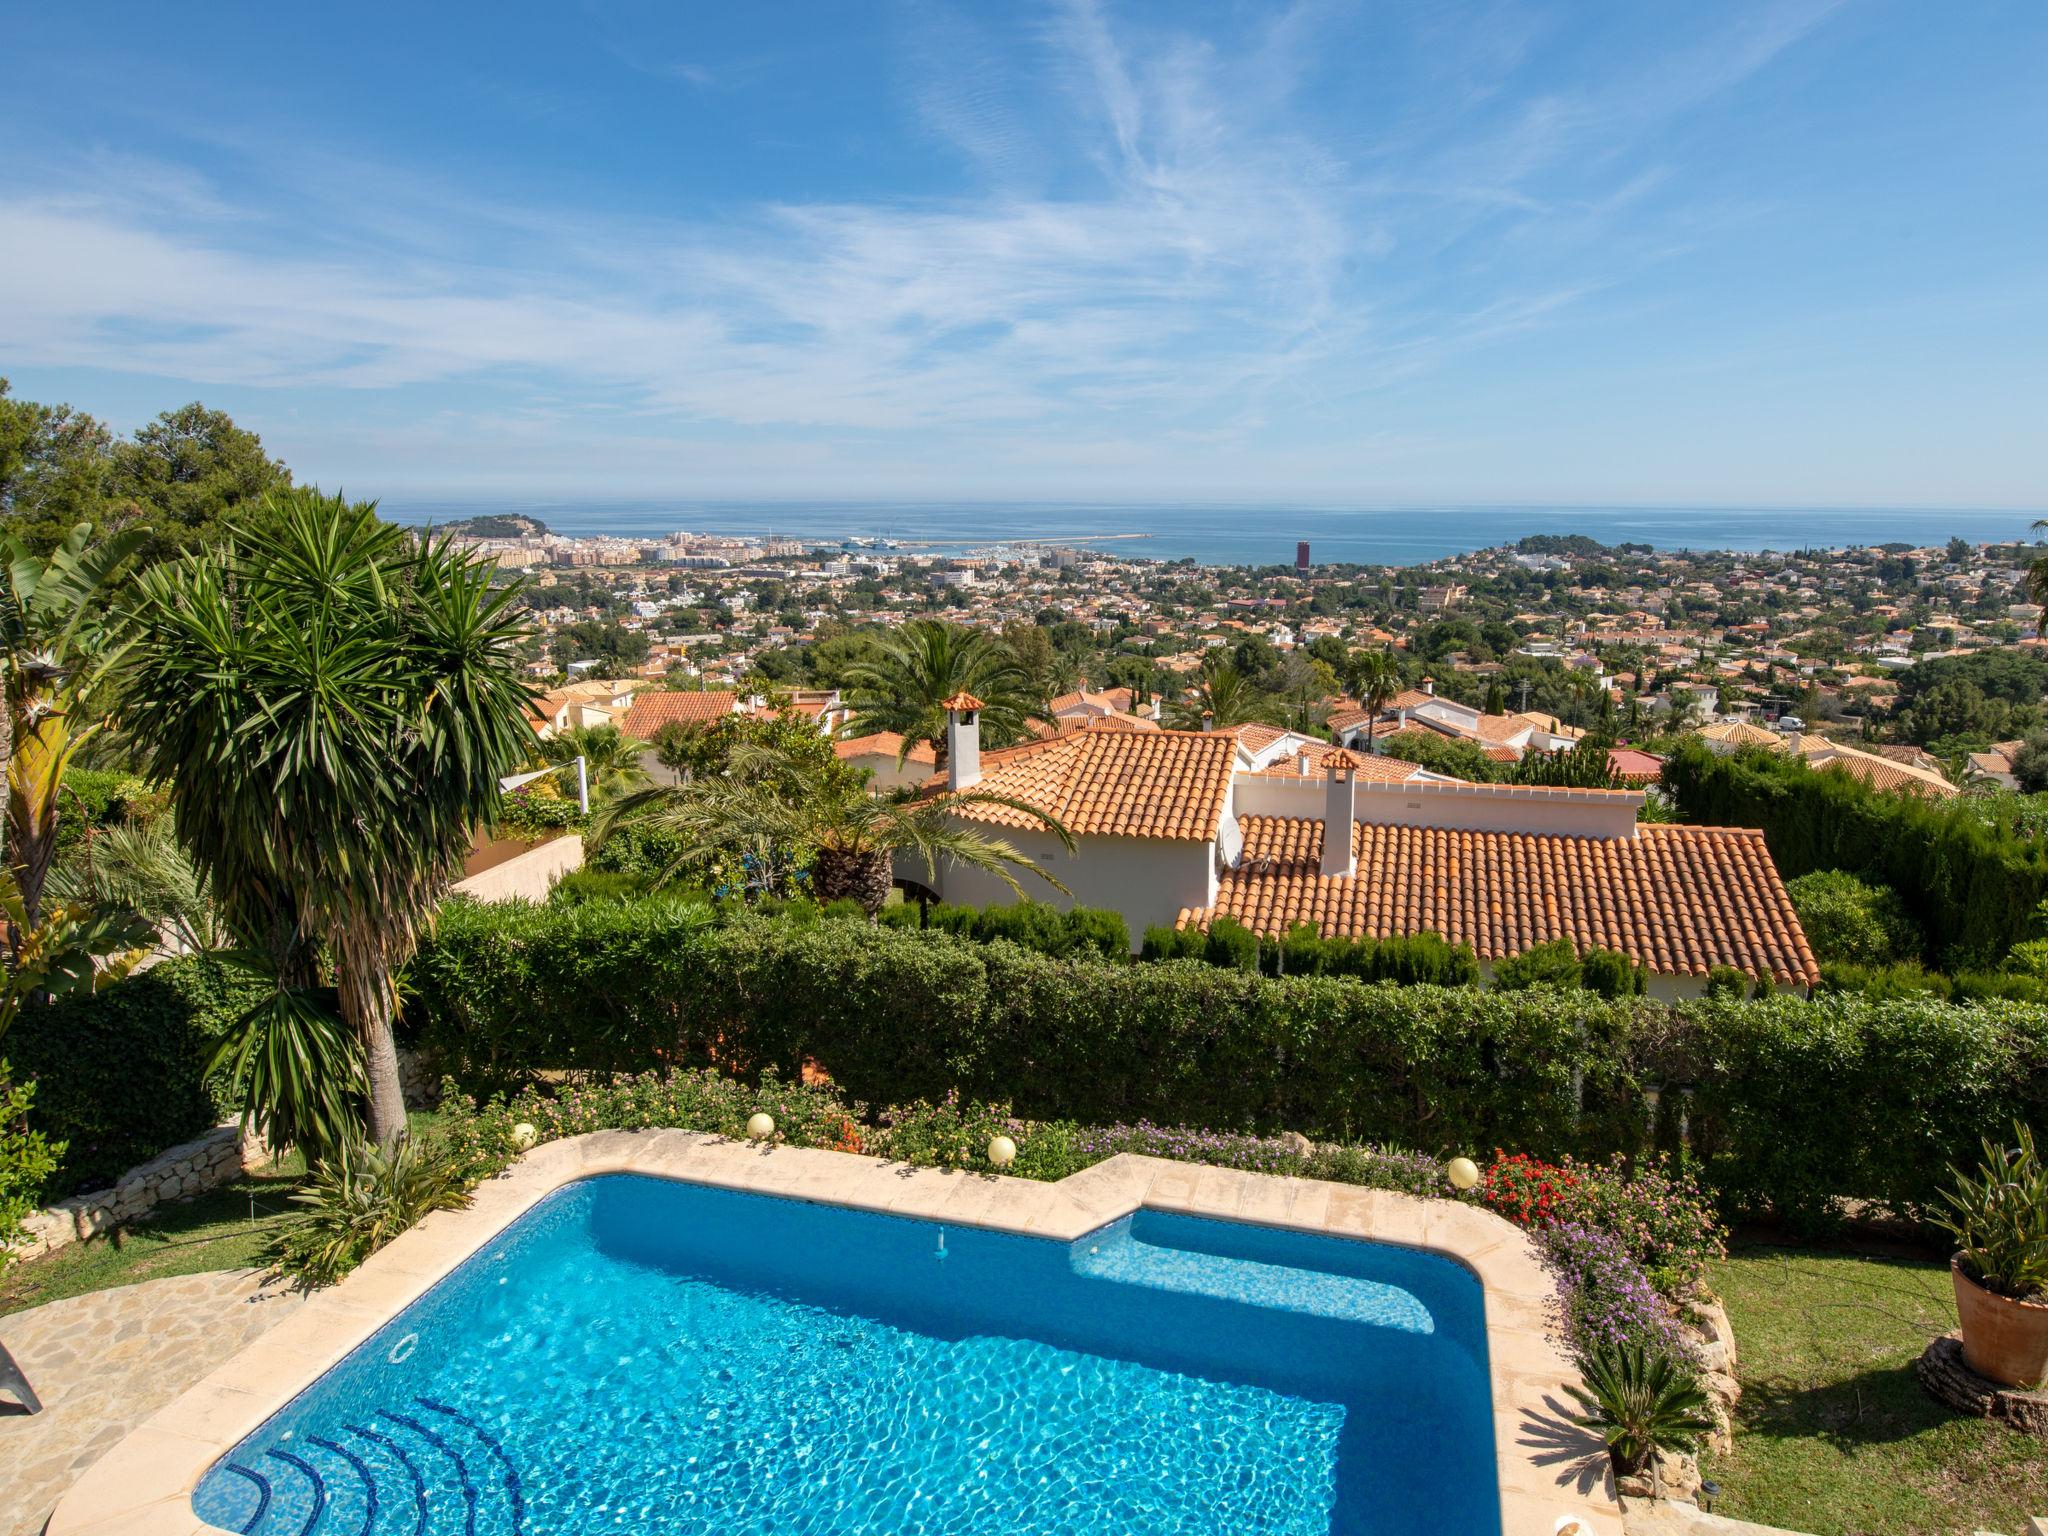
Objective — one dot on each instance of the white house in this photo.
(1180, 827)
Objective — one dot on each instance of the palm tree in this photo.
(1225, 697)
(904, 689)
(1377, 677)
(58, 648)
(779, 814)
(610, 757)
(332, 703)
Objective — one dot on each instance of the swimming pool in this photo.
(643, 1354)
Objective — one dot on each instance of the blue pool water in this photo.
(641, 1355)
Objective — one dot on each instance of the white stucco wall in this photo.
(887, 775)
(1148, 880)
(529, 876)
(1500, 808)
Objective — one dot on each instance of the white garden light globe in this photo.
(525, 1134)
(1002, 1151)
(761, 1126)
(1462, 1172)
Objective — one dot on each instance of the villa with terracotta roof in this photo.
(1179, 827)
(1507, 737)
(1876, 769)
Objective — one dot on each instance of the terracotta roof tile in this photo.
(1877, 772)
(1678, 899)
(1110, 783)
(884, 744)
(652, 710)
(1390, 770)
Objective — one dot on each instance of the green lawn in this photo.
(1834, 1434)
(210, 1231)
(226, 1229)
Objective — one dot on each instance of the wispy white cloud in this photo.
(1223, 265)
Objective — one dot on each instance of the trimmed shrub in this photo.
(1795, 1103)
(1163, 943)
(120, 1074)
(1726, 981)
(1971, 883)
(1033, 924)
(1230, 943)
(1555, 964)
(1610, 973)
(1851, 921)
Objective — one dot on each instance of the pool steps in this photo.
(384, 1485)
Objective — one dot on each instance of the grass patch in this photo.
(1834, 1434)
(226, 1228)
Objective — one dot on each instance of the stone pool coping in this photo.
(1551, 1472)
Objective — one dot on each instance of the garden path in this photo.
(105, 1361)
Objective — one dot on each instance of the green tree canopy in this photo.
(332, 703)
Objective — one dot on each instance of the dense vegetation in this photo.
(1791, 1105)
(1971, 884)
(121, 1074)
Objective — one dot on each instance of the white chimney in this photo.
(1429, 686)
(1340, 815)
(963, 741)
(1208, 721)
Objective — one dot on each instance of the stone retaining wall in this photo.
(219, 1157)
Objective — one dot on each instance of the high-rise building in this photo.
(1301, 558)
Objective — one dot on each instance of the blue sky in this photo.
(1748, 251)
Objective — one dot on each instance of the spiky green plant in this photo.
(923, 664)
(297, 1071)
(779, 816)
(331, 701)
(1224, 697)
(1640, 1402)
(611, 758)
(1999, 1218)
(358, 1200)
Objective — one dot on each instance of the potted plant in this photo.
(1999, 1219)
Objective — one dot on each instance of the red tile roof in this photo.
(1110, 783)
(884, 744)
(1678, 899)
(652, 710)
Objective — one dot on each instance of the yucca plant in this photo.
(357, 1201)
(1640, 1402)
(1999, 1218)
(297, 1070)
(331, 702)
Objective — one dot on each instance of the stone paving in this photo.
(104, 1362)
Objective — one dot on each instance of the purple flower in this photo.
(1603, 1295)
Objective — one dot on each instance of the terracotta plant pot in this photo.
(2003, 1339)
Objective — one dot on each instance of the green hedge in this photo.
(121, 1074)
(1795, 1101)
(1972, 888)
(1034, 924)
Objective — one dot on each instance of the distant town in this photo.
(1637, 640)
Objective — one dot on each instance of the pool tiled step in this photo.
(1119, 1256)
(430, 1471)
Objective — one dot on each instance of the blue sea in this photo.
(1214, 534)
